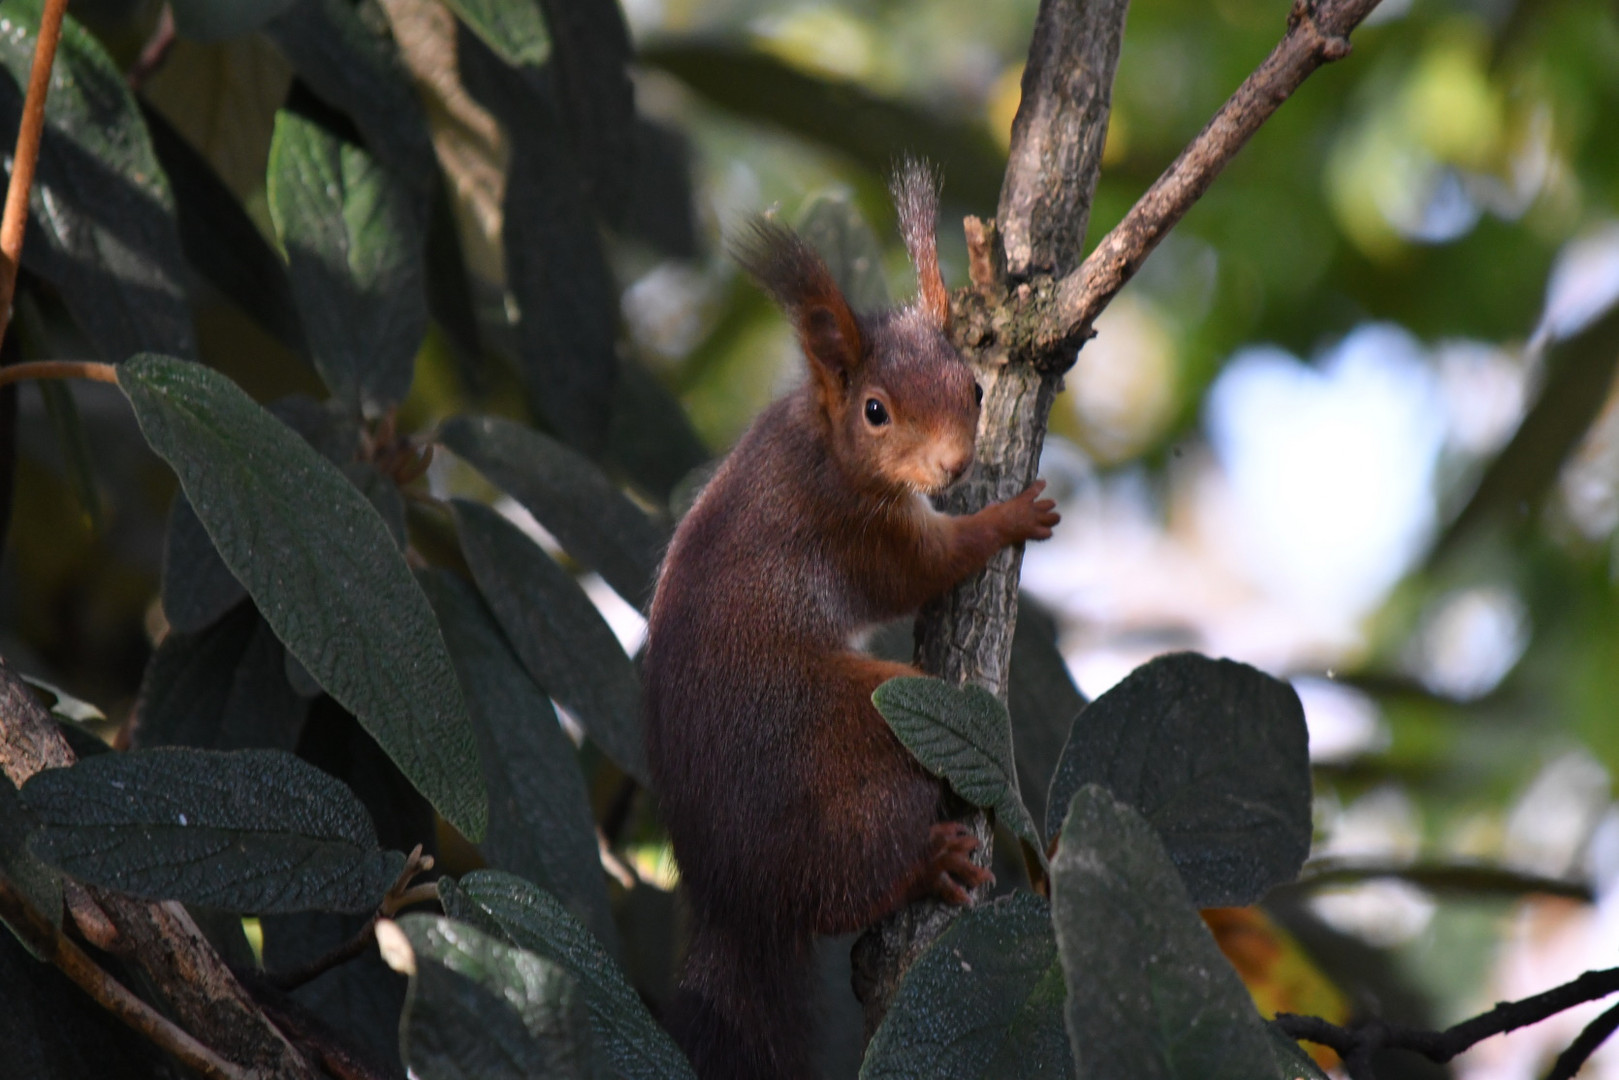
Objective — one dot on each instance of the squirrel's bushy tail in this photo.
(744, 1010)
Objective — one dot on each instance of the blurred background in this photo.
(1354, 422)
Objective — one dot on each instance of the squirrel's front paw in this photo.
(950, 869)
(1029, 517)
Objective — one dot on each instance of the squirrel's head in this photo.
(900, 404)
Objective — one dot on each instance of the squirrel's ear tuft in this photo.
(787, 268)
(915, 188)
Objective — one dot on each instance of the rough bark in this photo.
(198, 990)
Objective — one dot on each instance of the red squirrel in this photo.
(793, 809)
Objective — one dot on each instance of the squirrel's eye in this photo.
(978, 394)
(876, 415)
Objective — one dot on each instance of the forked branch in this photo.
(1317, 33)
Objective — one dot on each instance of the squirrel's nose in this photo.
(954, 465)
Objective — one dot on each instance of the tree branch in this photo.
(26, 156)
(1357, 1042)
(47, 941)
(1317, 34)
(199, 990)
(1031, 307)
(1055, 162)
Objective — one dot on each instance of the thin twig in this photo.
(47, 941)
(93, 370)
(1317, 34)
(26, 157)
(401, 894)
(1595, 1034)
(1356, 1042)
(155, 53)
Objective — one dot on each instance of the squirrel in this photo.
(792, 807)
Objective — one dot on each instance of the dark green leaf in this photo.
(985, 1001)
(363, 998)
(833, 226)
(1579, 375)
(556, 270)
(590, 66)
(198, 587)
(636, 1045)
(839, 114)
(450, 297)
(37, 883)
(662, 209)
(250, 830)
(540, 825)
(557, 632)
(1043, 701)
(68, 426)
(567, 494)
(354, 67)
(219, 238)
(1292, 1063)
(52, 1030)
(1149, 995)
(382, 493)
(215, 20)
(101, 216)
(321, 567)
(1215, 755)
(964, 737)
(481, 1010)
(354, 253)
(650, 439)
(512, 28)
(221, 688)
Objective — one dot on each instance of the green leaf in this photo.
(101, 216)
(219, 238)
(985, 1001)
(198, 588)
(590, 70)
(353, 65)
(68, 427)
(479, 1009)
(833, 226)
(250, 830)
(222, 688)
(1579, 373)
(1292, 1063)
(363, 998)
(354, 254)
(529, 917)
(215, 20)
(1150, 997)
(557, 632)
(964, 737)
(512, 28)
(382, 493)
(37, 883)
(540, 824)
(650, 439)
(566, 493)
(319, 563)
(52, 1030)
(1043, 701)
(839, 114)
(1215, 755)
(556, 270)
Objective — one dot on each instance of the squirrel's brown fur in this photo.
(793, 809)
